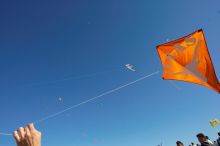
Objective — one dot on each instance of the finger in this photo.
(21, 132)
(28, 137)
(27, 131)
(31, 127)
(16, 136)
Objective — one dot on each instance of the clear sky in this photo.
(47, 40)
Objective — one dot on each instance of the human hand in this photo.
(27, 136)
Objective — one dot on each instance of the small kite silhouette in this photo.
(130, 67)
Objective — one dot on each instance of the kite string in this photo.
(89, 100)
(94, 98)
(73, 77)
(174, 85)
(6, 134)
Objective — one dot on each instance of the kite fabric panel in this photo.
(187, 59)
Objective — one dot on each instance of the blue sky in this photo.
(43, 41)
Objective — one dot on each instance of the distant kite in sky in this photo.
(130, 67)
(187, 59)
(214, 123)
(60, 99)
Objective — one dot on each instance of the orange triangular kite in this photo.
(187, 59)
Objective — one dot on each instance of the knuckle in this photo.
(28, 135)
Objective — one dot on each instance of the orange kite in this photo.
(187, 59)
